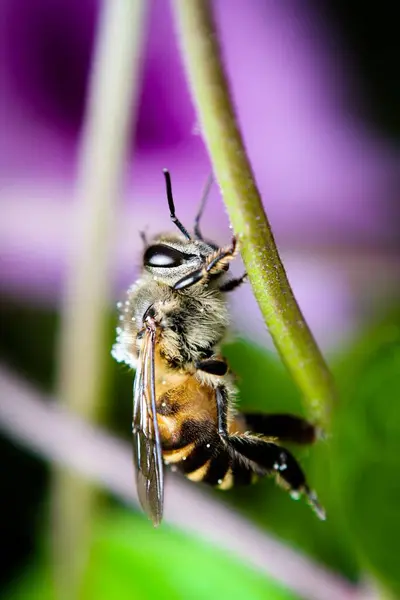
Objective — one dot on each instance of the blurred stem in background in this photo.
(290, 333)
(83, 350)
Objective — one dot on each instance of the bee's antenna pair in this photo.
(171, 205)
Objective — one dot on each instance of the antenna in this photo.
(203, 201)
(171, 205)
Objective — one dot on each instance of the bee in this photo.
(171, 327)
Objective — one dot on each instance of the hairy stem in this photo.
(83, 338)
(201, 52)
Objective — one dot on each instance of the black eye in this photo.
(164, 256)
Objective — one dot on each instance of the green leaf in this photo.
(366, 451)
(130, 560)
(263, 382)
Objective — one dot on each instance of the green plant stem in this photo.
(290, 333)
(84, 345)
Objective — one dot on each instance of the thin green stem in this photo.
(84, 352)
(291, 335)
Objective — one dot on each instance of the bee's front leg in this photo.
(232, 284)
(216, 264)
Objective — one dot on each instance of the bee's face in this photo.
(169, 258)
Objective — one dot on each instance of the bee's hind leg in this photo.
(268, 459)
(282, 426)
(252, 454)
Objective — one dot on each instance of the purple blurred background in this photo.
(328, 176)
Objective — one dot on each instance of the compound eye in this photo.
(163, 257)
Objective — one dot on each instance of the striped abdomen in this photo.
(187, 419)
(209, 462)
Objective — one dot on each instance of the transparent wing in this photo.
(147, 449)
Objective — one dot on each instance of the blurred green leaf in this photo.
(27, 340)
(366, 451)
(133, 559)
(263, 382)
(129, 559)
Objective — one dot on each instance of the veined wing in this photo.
(147, 450)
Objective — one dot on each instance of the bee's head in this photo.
(170, 257)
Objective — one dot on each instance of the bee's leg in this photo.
(189, 280)
(232, 284)
(222, 411)
(213, 366)
(221, 258)
(282, 426)
(269, 458)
